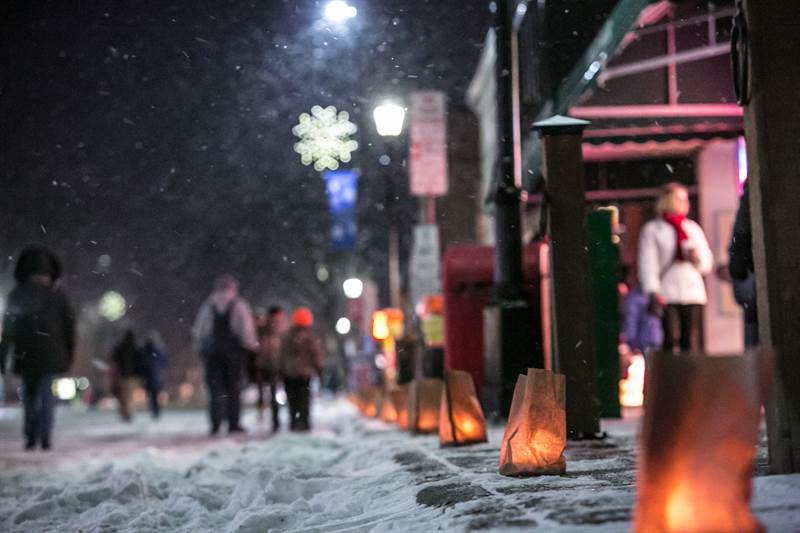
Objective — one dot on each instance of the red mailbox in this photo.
(468, 282)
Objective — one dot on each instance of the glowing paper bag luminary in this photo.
(375, 405)
(369, 401)
(698, 444)
(399, 397)
(388, 410)
(536, 434)
(424, 405)
(461, 419)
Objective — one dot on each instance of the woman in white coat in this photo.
(673, 258)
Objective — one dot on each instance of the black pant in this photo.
(152, 398)
(37, 396)
(224, 378)
(298, 393)
(267, 378)
(682, 327)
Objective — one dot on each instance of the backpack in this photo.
(223, 340)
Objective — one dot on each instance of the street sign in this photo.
(425, 262)
(427, 165)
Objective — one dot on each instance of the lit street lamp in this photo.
(389, 119)
(343, 326)
(339, 11)
(353, 288)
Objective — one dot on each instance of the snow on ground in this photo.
(349, 474)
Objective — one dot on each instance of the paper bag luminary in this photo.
(399, 397)
(698, 444)
(424, 405)
(536, 434)
(461, 419)
(369, 401)
(388, 410)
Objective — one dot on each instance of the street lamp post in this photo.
(508, 321)
(389, 120)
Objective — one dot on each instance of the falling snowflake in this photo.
(325, 138)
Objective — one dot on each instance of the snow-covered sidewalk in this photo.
(350, 474)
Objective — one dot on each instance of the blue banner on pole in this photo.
(342, 189)
(344, 231)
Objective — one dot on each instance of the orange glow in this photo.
(536, 434)
(698, 444)
(434, 304)
(380, 325)
(426, 397)
(368, 401)
(388, 411)
(631, 389)
(461, 419)
(428, 422)
(395, 322)
(399, 396)
(371, 410)
(185, 392)
(680, 508)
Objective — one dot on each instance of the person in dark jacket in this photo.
(39, 334)
(224, 334)
(300, 359)
(154, 363)
(741, 268)
(125, 370)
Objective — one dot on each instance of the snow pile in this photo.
(350, 474)
(325, 481)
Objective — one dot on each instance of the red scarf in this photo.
(676, 221)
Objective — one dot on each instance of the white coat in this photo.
(678, 282)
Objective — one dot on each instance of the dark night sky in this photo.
(159, 133)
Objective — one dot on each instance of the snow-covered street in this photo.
(350, 474)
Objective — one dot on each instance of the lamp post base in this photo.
(510, 348)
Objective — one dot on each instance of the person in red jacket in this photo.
(300, 359)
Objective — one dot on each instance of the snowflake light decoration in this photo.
(325, 138)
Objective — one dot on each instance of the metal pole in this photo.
(508, 234)
(430, 210)
(394, 243)
(510, 346)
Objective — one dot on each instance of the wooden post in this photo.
(772, 127)
(573, 337)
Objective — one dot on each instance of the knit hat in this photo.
(35, 260)
(302, 316)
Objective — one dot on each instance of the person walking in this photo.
(301, 357)
(125, 371)
(39, 335)
(223, 334)
(673, 258)
(154, 364)
(271, 329)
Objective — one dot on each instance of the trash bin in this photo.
(468, 289)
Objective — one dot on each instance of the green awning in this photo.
(582, 77)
